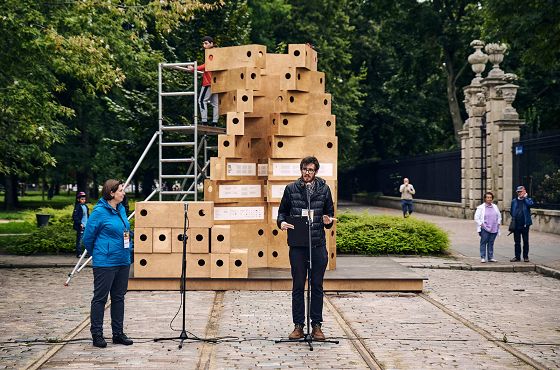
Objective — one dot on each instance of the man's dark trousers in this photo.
(519, 234)
(115, 281)
(299, 257)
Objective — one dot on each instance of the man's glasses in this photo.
(308, 170)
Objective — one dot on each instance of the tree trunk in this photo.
(454, 109)
(11, 195)
(81, 181)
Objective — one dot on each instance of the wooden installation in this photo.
(276, 113)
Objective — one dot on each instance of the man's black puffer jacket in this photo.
(295, 199)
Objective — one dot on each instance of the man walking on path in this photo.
(407, 191)
(521, 216)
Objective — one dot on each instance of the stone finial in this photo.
(508, 92)
(496, 56)
(478, 61)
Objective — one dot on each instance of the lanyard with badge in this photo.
(126, 233)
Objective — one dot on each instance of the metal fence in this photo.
(536, 165)
(435, 177)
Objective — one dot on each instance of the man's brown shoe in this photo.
(297, 333)
(317, 333)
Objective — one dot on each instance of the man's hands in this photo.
(190, 68)
(285, 226)
(328, 219)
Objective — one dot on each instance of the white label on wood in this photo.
(326, 169)
(277, 191)
(275, 212)
(238, 213)
(240, 191)
(263, 169)
(286, 169)
(241, 169)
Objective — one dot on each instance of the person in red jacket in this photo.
(206, 95)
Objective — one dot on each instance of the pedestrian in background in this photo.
(521, 216)
(107, 240)
(488, 220)
(80, 217)
(407, 191)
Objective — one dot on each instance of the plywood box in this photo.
(238, 124)
(200, 214)
(276, 64)
(301, 79)
(296, 147)
(161, 240)
(219, 59)
(157, 265)
(219, 265)
(233, 168)
(230, 146)
(279, 256)
(220, 239)
(247, 78)
(240, 213)
(240, 100)
(142, 240)
(264, 105)
(238, 264)
(330, 235)
(198, 240)
(287, 124)
(308, 103)
(247, 235)
(159, 214)
(303, 56)
(276, 236)
(177, 240)
(257, 256)
(220, 191)
(198, 265)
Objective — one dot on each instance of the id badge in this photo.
(126, 239)
(304, 213)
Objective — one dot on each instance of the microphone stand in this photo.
(307, 337)
(183, 336)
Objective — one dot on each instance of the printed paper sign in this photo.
(263, 169)
(292, 169)
(238, 213)
(240, 191)
(242, 169)
(277, 191)
(275, 212)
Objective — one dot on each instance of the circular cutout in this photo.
(332, 255)
(332, 232)
(260, 54)
(249, 53)
(245, 98)
(274, 121)
(253, 76)
(162, 237)
(210, 188)
(234, 98)
(219, 263)
(321, 80)
(329, 123)
(329, 145)
(210, 57)
(226, 143)
(325, 102)
(143, 212)
(299, 76)
(242, 75)
(220, 238)
(288, 76)
(261, 231)
(274, 232)
(180, 237)
(297, 53)
(280, 144)
(199, 237)
(274, 254)
(238, 263)
(143, 262)
(201, 262)
(143, 237)
(235, 121)
(280, 99)
(292, 99)
(260, 254)
(285, 121)
(201, 213)
(214, 79)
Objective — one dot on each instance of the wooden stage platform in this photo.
(353, 273)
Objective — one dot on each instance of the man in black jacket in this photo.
(295, 203)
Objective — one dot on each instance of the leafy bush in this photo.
(16, 227)
(374, 235)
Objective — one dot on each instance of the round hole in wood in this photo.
(242, 76)
(245, 98)
(201, 262)
(260, 54)
(292, 99)
(329, 145)
(249, 53)
(143, 212)
(274, 232)
(201, 213)
(234, 98)
(285, 121)
(329, 123)
(332, 255)
(219, 263)
(214, 79)
(180, 237)
(321, 80)
(288, 76)
(226, 143)
(297, 53)
(299, 76)
(143, 262)
(210, 57)
(274, 121)
(238, 263)
(199, 237)
(332, 232)
(325, 102)
(274, 254)
(260, 254)
(235, 121)
(220, 238)
(162, 237)
(143, 237)
(261, 232)
(253, 76)
(280, 144)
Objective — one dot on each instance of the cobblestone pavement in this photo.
(402, 331)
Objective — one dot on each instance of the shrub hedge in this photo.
(375, 235)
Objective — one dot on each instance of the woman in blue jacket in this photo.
(107, 240)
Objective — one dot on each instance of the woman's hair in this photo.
(489, 193)
(110, 186)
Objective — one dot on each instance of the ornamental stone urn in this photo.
(496, 56)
